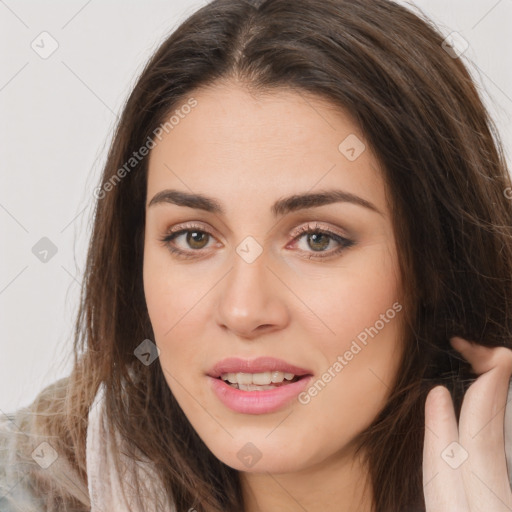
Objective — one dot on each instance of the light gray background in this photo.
(57, 116)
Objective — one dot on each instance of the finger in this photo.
(482, 358)
(481, 433)
(443, 485)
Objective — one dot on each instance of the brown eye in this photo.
(197, 239)
(318, 241)
(188, 242)
(192, 239)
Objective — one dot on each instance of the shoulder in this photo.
(38, 472)
(16, 490)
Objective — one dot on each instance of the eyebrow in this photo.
(280, 207)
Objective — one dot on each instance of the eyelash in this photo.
(344, 242)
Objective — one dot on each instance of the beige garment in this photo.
(104, 483)
(107, 488)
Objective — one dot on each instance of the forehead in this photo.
(237, 145)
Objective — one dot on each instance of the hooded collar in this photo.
(108, 489)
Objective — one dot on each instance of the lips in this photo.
(259, 365)
(257, 399)
(258, 402)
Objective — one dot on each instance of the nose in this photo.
(252, 300)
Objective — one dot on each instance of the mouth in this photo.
(261, 374)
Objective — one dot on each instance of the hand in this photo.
(464, 467)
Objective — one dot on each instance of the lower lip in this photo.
(257, 402)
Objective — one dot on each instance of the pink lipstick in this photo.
(257, 386)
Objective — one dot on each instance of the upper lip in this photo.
(259, 365)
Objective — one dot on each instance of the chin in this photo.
(274, 464)
(277, 457)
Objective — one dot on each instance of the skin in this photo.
(247, 152)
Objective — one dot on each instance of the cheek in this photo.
(170, 300)
(171, 291)
(360, 359)
(175, 298)
(346, 303)
(360, 341)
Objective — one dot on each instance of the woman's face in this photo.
(285, 267)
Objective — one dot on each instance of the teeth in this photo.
(258, 379)
(277, 376)
(244, 378)
(262, 379)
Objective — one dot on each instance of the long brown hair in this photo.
(446, 178)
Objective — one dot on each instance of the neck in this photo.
(334, 485)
